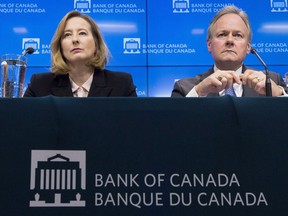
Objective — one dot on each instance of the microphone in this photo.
(29, 50)
(268, 80)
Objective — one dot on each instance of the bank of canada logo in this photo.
(279, 6)
(31, 42)
(82, 6)
(131, 45)
(180, 6)
(58, 178)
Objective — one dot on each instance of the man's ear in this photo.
(248, 48)
(208, 42)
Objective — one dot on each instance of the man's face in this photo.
(229, 43)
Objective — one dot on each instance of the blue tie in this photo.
(230, 91)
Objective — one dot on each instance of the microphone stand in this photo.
(268, 84)
(268, 87)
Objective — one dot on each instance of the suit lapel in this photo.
(249, 92)
(62, 87)
(99, 85)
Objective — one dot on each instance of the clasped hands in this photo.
(224, 79)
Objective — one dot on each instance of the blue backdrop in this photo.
(157, 42)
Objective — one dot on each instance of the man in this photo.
(229, 41)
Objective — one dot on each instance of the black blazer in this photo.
(105, 84)
(183, 87)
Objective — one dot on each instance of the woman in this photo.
(79, 56)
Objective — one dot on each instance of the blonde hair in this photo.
(231, 10)
(59, 64)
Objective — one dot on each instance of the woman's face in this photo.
(78, 44)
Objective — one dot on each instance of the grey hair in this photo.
(231, 10)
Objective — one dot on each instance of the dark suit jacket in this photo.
(105, 84)
(183, 87)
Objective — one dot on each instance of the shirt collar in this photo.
(238, 71)
(85, 85)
